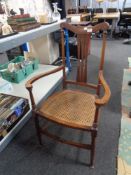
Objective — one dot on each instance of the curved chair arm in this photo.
(29, 83)
(37, 77)
(106, 97)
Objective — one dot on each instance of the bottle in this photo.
(56, 15)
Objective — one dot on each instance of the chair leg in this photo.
(38, 129)
(92, 153)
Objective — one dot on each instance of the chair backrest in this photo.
(127, 9)
(88, 10)
(83, 46)
(111, 10)
(85, 10)
(71, 11)
(98, 10)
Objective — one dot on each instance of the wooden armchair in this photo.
(74, 108)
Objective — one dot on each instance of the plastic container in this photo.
(21, 74)
(35, 63)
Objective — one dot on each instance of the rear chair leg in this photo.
(37, 129)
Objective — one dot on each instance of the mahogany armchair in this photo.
(74, 108)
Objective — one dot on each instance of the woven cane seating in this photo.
(75, 109)
(72, 107)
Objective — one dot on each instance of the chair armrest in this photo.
(29, 83)
(106, 97)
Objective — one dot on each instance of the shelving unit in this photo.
(45, 85)
(22, 37)
(49, 83)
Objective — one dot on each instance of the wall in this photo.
(30, 6)
(128, 3)
(3, 58)
(94, 4)
(39, 6)
(73, 3)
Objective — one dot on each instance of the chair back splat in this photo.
(83, 47)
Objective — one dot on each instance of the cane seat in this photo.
(70, 107)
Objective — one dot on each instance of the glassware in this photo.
(56, 15)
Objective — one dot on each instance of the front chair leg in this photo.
(37, 129)
(93, 143)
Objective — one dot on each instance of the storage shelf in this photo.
(23, 37)
(43, 88)
(49, 83)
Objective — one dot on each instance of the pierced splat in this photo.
(83, 52)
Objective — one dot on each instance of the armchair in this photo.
(74, 108)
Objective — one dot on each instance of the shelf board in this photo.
(23, 37)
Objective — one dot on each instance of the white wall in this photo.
(94, 4)
(3, 58)
(30, 6)
(86, 3)
(72, 3)
(128, 3)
